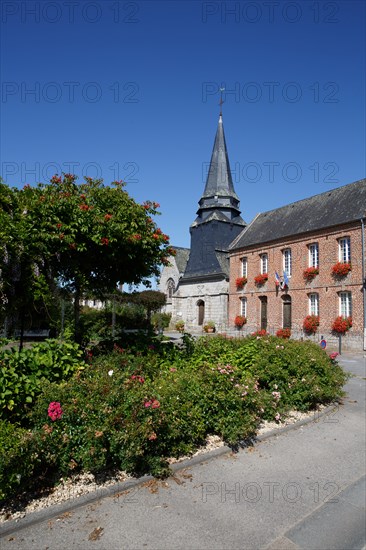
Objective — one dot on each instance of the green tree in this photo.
(91, 236)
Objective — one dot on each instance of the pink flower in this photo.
(147, 404)
(172, 369)
(277, 417)
(155, 404)
(54, 410)
(333, 355)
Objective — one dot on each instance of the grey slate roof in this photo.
(338, 206)
(219, 194)
(181, 258)
(219, 180)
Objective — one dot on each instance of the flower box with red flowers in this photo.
(310, 273)
(341, 325)
(283, 333)
(261, 279)
(341, 269)
(240, 321)
(311, 323)
(240, 282)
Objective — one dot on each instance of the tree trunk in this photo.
(77, 298)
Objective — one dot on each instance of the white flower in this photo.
(110, 373)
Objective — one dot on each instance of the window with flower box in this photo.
(314, 255)
(345, 250)
(287, 261)
(314, 303)
(345, 304)
(244, 267)
(243, 307)
(264, 263)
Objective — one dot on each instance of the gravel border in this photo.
(61, 501)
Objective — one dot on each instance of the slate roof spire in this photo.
(219, 194)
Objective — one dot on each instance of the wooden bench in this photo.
(36, 334)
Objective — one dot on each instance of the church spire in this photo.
(219, 193)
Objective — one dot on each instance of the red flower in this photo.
(107, 217)
(240, 321)
(59, 225)
(261, 279)
(84, 207)
(104, 241)
(54, 410)
(311, 323)
(310, 273)
(240, 282)
(283, 333)
(341, 325)
(341, 269)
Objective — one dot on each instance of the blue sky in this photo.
(130, 90)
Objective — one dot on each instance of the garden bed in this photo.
(134, 407)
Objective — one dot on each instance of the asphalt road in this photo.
(304, 488)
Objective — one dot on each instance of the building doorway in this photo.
(264, 309)
(201, 312)
(286, 312)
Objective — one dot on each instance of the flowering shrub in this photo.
(311, 323)
(283, 333)
(341, 325)
(240, 321)
(261, 279)
(179, 326)
(310, 273)
(341, 269)
(240, 282)
(134, 409)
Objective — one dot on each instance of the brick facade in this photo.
(324, 284)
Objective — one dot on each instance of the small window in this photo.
(244, 267)
(243, 307)
(287, 262)
(314, 255)
(345, 304)
(314, 303)
(264, 263)
(170, 288)
(345, 250)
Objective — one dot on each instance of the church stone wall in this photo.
(169, 272)
(215, 298)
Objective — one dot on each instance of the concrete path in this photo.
(302, 489)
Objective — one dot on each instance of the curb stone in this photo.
(34, 518)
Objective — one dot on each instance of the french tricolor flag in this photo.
(277, 279)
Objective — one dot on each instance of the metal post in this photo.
(363, 282)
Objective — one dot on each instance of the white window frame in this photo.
(345, 304)
(243, 306)
(314, 255)
(287, 261)
(344, 250)
(244, 267)
(264, 263)
(314, 303)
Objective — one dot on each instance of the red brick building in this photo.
(316, 233)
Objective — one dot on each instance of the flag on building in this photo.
(285, 279)
(277, 279)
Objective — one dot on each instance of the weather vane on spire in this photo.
(221, 100)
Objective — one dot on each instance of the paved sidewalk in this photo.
(301, 489)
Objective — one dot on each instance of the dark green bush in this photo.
(22, 373)
(17, 458)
